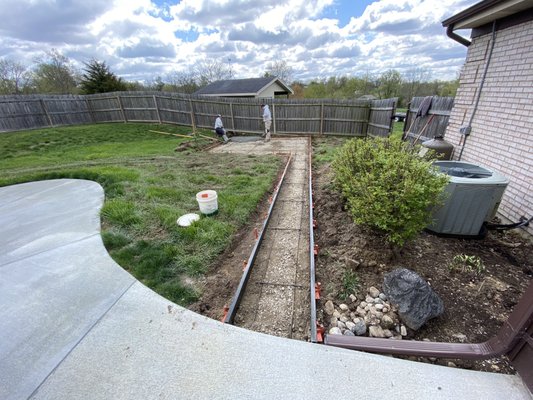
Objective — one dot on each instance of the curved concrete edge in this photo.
(81, 327)
(147, 348)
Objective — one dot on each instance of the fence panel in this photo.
(105, 108)
(242, 115)
(18, 116)
(174, 110)
(433, 124)
(381, 116)
(64, 110)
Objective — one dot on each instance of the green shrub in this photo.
(387, 186)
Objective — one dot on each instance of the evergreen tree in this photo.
(99, 79)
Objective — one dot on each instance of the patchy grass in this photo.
(148, 186)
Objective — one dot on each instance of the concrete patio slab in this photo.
(88, 330)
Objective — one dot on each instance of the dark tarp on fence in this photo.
(433, 124)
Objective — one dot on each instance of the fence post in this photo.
(232, 119)
(406, 121)
(157, 109)
(391, 126)
(274, 116)
(321, 133)
(368, 118)
(89, 108)
(46, 112)
(193, 123)
(121, 108)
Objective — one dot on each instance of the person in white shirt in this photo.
(219, 129)
(267, 120)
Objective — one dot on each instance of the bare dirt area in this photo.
(476, 304)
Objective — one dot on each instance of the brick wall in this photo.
(502, 128)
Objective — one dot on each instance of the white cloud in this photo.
(140, 39)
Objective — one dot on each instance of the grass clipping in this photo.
(387, 186)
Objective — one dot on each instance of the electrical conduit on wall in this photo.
(465, 129)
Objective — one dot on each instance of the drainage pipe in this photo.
(468, 126)
(230, 316)
(511, 336)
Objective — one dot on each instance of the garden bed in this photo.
(476, 302)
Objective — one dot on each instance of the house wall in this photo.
(270, 90)
(502, 128)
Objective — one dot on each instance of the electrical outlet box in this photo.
(465, 130)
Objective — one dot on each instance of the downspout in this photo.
(459, 39)
(466, 129)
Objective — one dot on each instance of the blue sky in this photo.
(143, 39)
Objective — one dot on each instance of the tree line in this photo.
(54, 73)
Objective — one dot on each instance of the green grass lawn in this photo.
(148, 186)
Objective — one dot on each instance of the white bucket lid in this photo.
(206, 195)
(187, 219)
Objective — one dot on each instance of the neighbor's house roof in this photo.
(486, 12)
(243, 87)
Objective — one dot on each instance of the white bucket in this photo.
(207, 200)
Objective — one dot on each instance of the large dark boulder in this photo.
(416, 301)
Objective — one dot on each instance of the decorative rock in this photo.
(387, 333)
(335, 331)
(350, 325)
(383, 296)
(333, 321)
(376, 331)
(379, 307)
(385, 309)
(329, 308)
(369, 300)
(348, 332)
(363, 304)
(460, 337)
(353, 298)
(377, 314)
(387, 322)
(403, 330)
(336, 314)
(371, 319)
(417, 302)
(353, 315)
(344, 319)
(341, 325)
(359, 328)
(374, 292)
(344, 307)
(377, 300)
(451, 364)
(360, 311)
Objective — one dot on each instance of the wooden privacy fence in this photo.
(433, 124)
(242, 115)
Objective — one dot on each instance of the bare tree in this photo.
(280, 69)
(55, 74)
(413, 80)
(14, 77)
(183, 82)
(209, 71)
